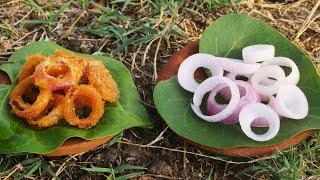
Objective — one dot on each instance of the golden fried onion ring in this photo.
(58, 73)
(100, 78)
(51, 115)
(62, 86)
(34, 109)
(29, 67)
(28, 97)
(83, 96)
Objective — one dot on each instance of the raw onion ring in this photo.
(258, 53)
(58, 73)
(83, 95)
(294, 76)
(265, 72)
(233, 76)
(51, 115)
(207, 86)
(248, 96)
(189, 66)
(34, 109)
(29, 66)
(237, 66)
(290, 102)
(251, 112)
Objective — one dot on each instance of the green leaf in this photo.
(126, 113)
(226, 37)
(5, 130)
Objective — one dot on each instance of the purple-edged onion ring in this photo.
(294, 76)
(191, 64)
(207, 86)
(290, 102)
(258, 53)
(255, 111)
(248, 95)
(265, 72)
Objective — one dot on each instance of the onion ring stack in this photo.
(62, 86)
(263, 80)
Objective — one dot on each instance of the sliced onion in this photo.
(237, 66)
(266, 82)
(189, 66)
(248, 96)
(207, 86)
(290, 102)
(258, 53)
(265, 72)
(254, 111)
(233, 76)
(294, 76)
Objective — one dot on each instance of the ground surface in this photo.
(79, 27)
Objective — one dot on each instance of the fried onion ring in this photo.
(58, 73)
(51, 115)
(101, 79)
(29, 67)
(83, 96)
(28, 97)
(34, 109)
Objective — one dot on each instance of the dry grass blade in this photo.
(198, 154)
(308, 20)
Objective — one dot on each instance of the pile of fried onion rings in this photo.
(62, 86)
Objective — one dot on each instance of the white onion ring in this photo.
(290, 102)
(294, 76)
(207, 86)
(258, 53)
(233, 76)
(266, 82)
(264, 73)
(248, 96)
(189, 66)
(258, 110)
(237, 66)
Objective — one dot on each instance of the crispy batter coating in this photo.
(62, 86)
(100, 78)
(34, 109)
(30, 65)
(58, 73)
(51, 115)
(83, 96)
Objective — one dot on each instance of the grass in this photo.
(296, 163)
(147, 30)
(112, 173)
(49, 14)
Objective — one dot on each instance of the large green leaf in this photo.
(226, 37)
(126, 113)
